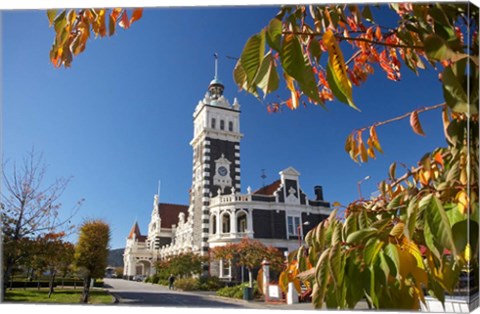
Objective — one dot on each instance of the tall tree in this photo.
(422, 229)
(53, 255)
(91, 253)
(30, 208)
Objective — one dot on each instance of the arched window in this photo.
(242, 225)
(226, 223)
(213, 224)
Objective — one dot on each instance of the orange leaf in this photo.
(378, 34)
(438, 158)
(415, 124)
(136, 15)
(116, 13)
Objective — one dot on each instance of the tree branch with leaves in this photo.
(421, 231)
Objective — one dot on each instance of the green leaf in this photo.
(295, 65)
(350, 225)
(252, 55)
(314, 49)
(322, 275)
(336, 90)
(455, 96)
(335, 265)
(367, 14)
(240, 79)
(372, 248)
(436, 48)
(361, 236)
(412, 213)
(384, 266)
(393, 260)
(363, 220)
(291, 57)
(463, 233)
(267, 77)
(60, 21)
(51, 14)
(436, 290)
(437, 225)
(274, 34)
(395, 203)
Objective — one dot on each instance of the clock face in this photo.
(222, 171)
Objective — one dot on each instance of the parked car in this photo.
(139, 277)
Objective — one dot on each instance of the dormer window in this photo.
(213, 123)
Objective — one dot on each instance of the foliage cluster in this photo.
(421, 231)
(250, 254)
(74, 27)
(181, 265)
(187, 284)
(237, 291)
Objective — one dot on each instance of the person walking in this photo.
(171, 281)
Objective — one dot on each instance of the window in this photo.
(214, 224)
(225, 268)
(293, 224)
(230, 126)
(242, 222)
(225, 223)
(222, 124)
(213, 123)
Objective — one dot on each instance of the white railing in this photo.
(225, 199)
(231, 235)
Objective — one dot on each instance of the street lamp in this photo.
(306, 223)
(358, 186)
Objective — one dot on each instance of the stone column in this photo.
(292, 295)
(266, 277)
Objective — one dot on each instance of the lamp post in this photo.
(358, 186)
(306, 223)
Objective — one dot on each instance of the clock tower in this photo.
(216, 156)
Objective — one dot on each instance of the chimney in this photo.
(318, 193)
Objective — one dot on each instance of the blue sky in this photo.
(120, 119)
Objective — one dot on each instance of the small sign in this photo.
(274, 292)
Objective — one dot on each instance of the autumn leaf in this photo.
(338, 69)
(136, 15)
(415, 123)
(124, 22)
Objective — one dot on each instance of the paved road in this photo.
(139, 293)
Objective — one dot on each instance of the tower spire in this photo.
(215, 88)
(215, 55)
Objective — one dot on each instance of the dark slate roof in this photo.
(169, 213)
(268, 189)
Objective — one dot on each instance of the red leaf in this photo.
(415, 124)
(125, 23)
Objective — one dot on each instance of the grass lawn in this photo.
(60, 296)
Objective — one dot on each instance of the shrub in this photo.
(237, 291)
(210, 283)
(187, 284)
(162, 282)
